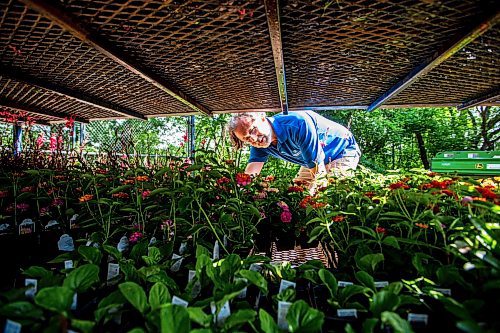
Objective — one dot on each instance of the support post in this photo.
(18, 138)
(82, 133)
(191, 133)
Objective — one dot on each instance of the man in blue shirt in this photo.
(316, 143)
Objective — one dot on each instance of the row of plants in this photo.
(405, 246)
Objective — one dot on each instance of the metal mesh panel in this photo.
(299, 256)
(29, 43)
(351, 52)
(218, 51)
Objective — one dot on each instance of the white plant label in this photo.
(68, 264)
(343, 284)
(216, 254)
(33, 284)
(191, 275)
(256, 267)
(283, 308)
(381, 284)
(65, 243)
(243, 293)
(113, 270)
(183, 248)
(26, 227)
(224, 312)
(12, 327)
(178, 262)
(285, 284)
(75, 302)
(418, 318)
(347, 313)
(446, 292)
(179, 301)
(224, 241)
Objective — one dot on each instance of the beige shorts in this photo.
(339, 167)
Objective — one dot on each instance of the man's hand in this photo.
(318, 175)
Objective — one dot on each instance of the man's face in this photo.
(257, 133)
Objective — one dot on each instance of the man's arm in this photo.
(254, 168)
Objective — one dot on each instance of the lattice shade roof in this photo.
(128, 58)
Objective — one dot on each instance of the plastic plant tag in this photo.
(283, 308)
(179, 301)
(191, 275)
(26, 227)
(347, 313)
(418, 318)
(446, 292)
(75, 302)
(256, 267)
(243, 293)
(52, 223)
(12, 327)
(343, 284)
(224, 312)
(113, 270)
(285, 284)
(71, 331)
(183, 248)
(65, 243)
(122, 244)
(178, 262)
(152, 241)
(224, 241)
(68, 264)
(32, 284)
(381, 284)
(72, 221)
(216, 254)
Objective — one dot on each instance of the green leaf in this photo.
(469, 326)
(370, 261)
(302, 318)
(198, 316)
(135, 295)
(349, 291)
(366, 230)
(91, 254)
(267, 323)
(398, 324)
(119, 189)
(391, 241)
(154, 256)
(315, 233)
(113, 251)
(255, 278)
(159, 295)
(174, 319)
(369, 325)
(20, 310)
(329, 280)
(384, 301)
(86, 326)
(82, 278)
(57, 299)
(366, 280)
(136, 330)
(38, 272)
(240, 317)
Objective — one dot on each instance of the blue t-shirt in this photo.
(305, 138)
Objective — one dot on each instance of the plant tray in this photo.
(299, 256)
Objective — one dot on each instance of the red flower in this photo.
(223, 180)
(397, 185)
(243, 179)
(145, 194)
(294, 189)
(381, 230)
(370, 194)
(338, 218)
(422, 225)
(486, 192)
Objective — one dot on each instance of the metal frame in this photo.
(273, 21)
(437, 59)
(43, 112)
(79, 97)
(495, 94)
(71, 25)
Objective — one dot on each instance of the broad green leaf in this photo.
(384, 301)
(398, 324)
(136, 330)
(255, 278)
(240, 317)
(366, 280)
(198, 316)
(267, 323)
(20, 310)
(86, 326)
(329, 280)
(119, 189)
(469, 326)
(38, 272)
(159, 295)
(370, 261)
(91, 254)
(366, 230)
(315, 233)
(347, 292)
(391, 241)
(113, 251)
(82, 278)
(302, 318)
(369, 325)
(174, 319)
(57, 299)
(135, 295)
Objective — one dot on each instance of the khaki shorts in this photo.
(339, 167)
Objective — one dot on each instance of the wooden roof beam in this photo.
(43, 112)
(76, 96)
(492, 96)
(71, 25)
(273, 22)
(436, 59)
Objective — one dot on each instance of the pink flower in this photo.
(286, 216)
(466, 200)
(57, 202)
(135, 237)
(40, 140)
(23, 207)
(167, 224)
(145, 194)
(283, 205)
(44, 211)
(243, 179)
(53, 143)
(4, 194)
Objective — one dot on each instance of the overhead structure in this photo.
(110, 59)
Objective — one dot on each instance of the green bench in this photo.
(481, 163)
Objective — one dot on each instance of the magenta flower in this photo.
(286, 216)
(22, 207)
(135, 237)
(57, 202)
(145, 194)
